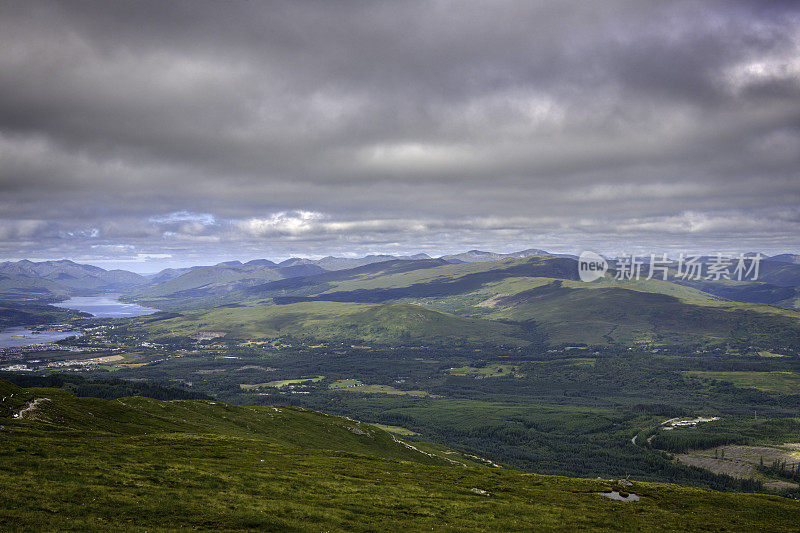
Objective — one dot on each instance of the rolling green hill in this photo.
(347, 322)
(138, 416)
(137, 464)
(17, 313)
(749, 291)
(511, 301)
(623, 315)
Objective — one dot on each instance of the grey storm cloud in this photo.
(152, 129)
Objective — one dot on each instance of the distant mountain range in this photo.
(53, 280)
(234, 275)
(786, 258)
(513, 301)
(478, 256)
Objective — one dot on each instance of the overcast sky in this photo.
(145, 134)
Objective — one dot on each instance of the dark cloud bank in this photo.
(183, 132)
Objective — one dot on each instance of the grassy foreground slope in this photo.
(137, 464)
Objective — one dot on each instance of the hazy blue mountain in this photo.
(261, 262)
(785, 258)
(479, 256)
(294, 261)
(198, 282)
(779, 273)
(169, 273)
(58, 278)
(340, 263)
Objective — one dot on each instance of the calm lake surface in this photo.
(99, 306)
(14, 337)
(105, 307)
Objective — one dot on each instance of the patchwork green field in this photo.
(488, 371)
(281, 383)
(382, 389)
(344, 384)
(784, 382)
